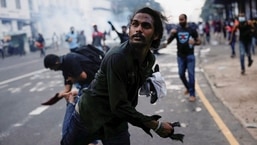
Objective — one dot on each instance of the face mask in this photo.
(231, 23)
(241, 19)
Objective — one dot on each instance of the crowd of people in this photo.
(239, 31)
(97, 110)
(101, 112)
(127, 66)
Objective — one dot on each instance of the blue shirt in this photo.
(74, 40)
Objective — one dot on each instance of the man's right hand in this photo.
(111, 25)
(165, 130)
(70, 39)
(173, 31)
(163, 45)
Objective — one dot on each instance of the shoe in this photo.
(186, 92)
(192, 99)
(250, 63)
(243, 72)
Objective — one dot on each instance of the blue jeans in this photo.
(253, 45)
(187, 63)
(244, 49)
(70, 108)
(74, 133)
(232, 44)
(122, 139)
(42, 52)
(67, 117)
(70, 118)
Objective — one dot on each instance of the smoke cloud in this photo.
(59, 20)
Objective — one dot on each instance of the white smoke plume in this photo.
(88, 13)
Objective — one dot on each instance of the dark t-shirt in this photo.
(73, 65)
(97, 38)
(182, 36)
(245, 32)
(123, 37)
(40, 39)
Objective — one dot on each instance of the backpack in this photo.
(94, 55)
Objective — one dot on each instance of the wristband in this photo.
(159, 126)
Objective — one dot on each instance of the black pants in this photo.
(2, 53)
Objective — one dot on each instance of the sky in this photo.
(173, 8)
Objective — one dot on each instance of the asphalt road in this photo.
(25, 84)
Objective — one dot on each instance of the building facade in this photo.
(24, 19)
(231, 8)
(15, 21)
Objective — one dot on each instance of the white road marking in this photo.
(34, 112)
(32, 89)
(27, 84)
(4, 134)
(14, 90)
(41, 89)
(37, 87)
(38, 110)
(171, 76)
(174, 87)
(11, 128)
(168, 65)
(3, 86)
(22, 76)
(18, 89)
(20, 64)
(159, 111)
(17, 124)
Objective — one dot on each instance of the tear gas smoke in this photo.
(88, 13)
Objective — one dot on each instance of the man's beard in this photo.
(182, 24)
(140, 44)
